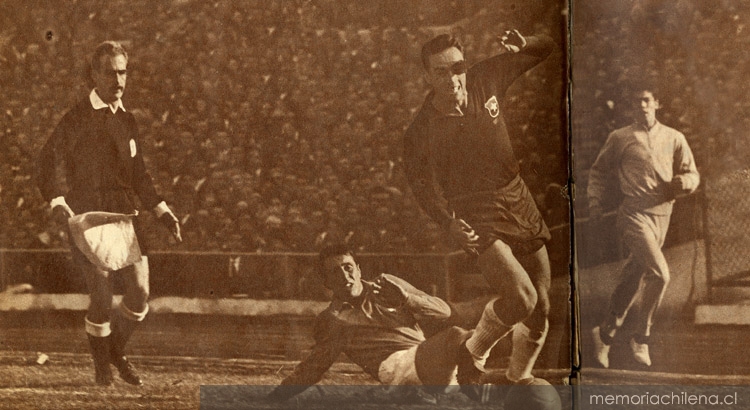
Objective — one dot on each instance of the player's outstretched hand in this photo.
(170, 221)
(512, 41)
(464, 234)
(388, 292)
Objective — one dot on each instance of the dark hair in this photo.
(108, 48)
(643, 86)
(438, 44)
(337, 249)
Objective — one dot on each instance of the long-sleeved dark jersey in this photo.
(450, 156)
(93, 159)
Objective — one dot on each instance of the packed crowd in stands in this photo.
(268, 126)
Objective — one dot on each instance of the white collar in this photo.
(645, 126)
(98, 104)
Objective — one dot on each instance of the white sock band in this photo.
(488, 332)
(130, 315)
(97, 329)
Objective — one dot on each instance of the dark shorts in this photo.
(508, 214)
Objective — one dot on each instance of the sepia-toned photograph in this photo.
(330, 204)
(659, 120)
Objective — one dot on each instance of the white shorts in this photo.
(399, 369)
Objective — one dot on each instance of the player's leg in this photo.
(517, 299)
(97, 321)
(656, 279)
(405, 372)
(436, 363)
(633, 230)
(131, 311)
(529, 336)
(646, 262)
(509, 280)
(437, 356)
(622, 298)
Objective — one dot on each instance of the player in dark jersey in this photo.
(93, 162)
(462, 170)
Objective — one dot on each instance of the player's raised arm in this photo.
(538, 45)
(518, 54)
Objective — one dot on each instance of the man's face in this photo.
(109, 78)
(342, 276)
(645, 106)
(447, 73)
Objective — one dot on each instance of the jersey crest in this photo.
(493, 107)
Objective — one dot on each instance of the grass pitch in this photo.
(65, 381)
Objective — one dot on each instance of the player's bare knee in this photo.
(528, 299)
(136, 298)
(517, 307)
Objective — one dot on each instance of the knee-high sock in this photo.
(99, 341)
(525, 352)
(488, 332)
(123, 326)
